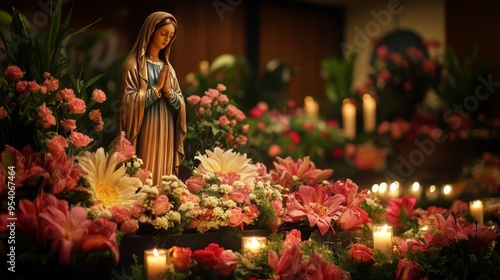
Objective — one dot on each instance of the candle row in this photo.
(393, 190)
(349, 116)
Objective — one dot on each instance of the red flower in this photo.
(181, 258)
(401, 210)
(407, 270)
(362, 254)
(208, 258)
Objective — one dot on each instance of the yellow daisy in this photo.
(110, 186)
(228, 161)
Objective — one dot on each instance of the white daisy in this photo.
(109, 185)
(226, 162)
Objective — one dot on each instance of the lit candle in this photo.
(369, 113)
(476, 210)
(252, 245)
(431, 193)
(311, 107)
(155, 262)
(416, 190)
(447, 191)
(394, 190)
(382, 188)
(349, 119)
(382, 238)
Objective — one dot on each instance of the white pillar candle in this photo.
(155, 261)
(251, 246)
(476, 211)
(382, 238)
(349, 119)
(369, 113)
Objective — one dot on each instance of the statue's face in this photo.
(163, 35)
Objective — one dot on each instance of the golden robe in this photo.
(156, 127)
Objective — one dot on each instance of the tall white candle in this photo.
(369, 113)
(155, 261)
(476, 211)
(382, 238)
(349, 119)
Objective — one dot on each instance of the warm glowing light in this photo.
(394, 186)
(447, 189)
(382, 187)
(375, 188)
(432, 188)
(415, 187)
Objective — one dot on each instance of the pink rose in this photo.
(241, 139)
(407, 270)
(14, 73)
(77, 106)
(32, 86)
(223, 121)
(245, 128)
(79, 139)
(95, 115)
(98, 96)
(221, 87)
(51, 84)
(142, 174)
(99, 126)
(201, 111)
(274, 150)
(227, 263)
(194, 184)
(3, 113)
(65, 94)
(57, 145)
(255, 112)
(136, 210)
(68, 125)
(161, 205)
(193, 99)
(362, 254)
(181, 258)
(120, 214)
(46, 117)
(129, 227)
(206, 101)
(237, 217)
(124, 148)
(208, 258)
(21, 86)
(223, 99)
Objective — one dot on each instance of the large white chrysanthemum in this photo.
(110, 186)
(226, 162)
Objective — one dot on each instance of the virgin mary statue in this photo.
(152, 111)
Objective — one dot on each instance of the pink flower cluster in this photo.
(323, 203)
(291, 263)
(212, 257)
(227, 131)
(65, 230)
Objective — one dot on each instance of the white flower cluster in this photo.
(266, 191)
(173, 188)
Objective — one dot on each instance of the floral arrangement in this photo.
(403, 78)
(292, 133)
(214, 121)
(481, 177)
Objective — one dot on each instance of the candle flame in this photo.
(432, 188)
(155, 253)
(384, 229)
(447, 189)
(415, 186)
(477, 203)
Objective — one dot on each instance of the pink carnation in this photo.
(98, 96)
(14, 73)
(68, 125)
(79, 139)
(76, 106)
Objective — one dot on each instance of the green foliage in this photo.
(34, 56)
(461, 78)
